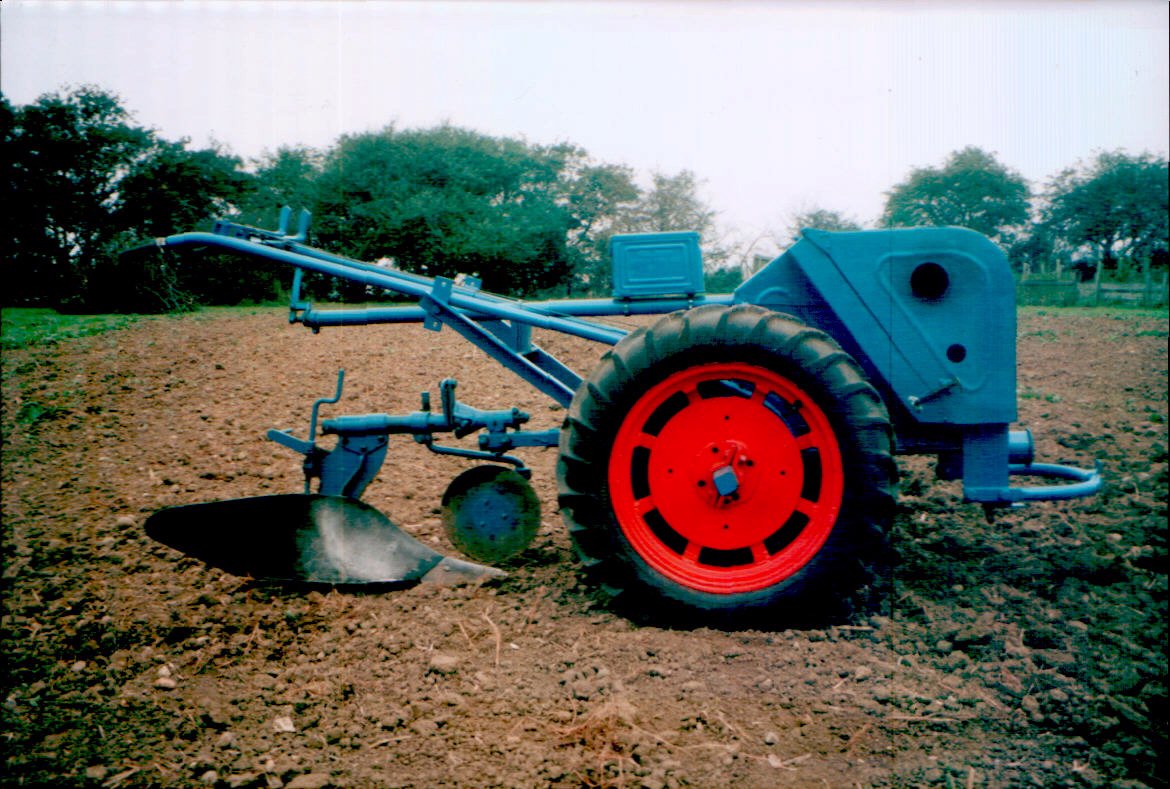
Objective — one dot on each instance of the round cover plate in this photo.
(491, 513)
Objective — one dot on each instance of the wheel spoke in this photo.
(808, 441)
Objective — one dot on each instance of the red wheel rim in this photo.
(726, 478)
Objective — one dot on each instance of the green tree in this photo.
(820, 219)
(81, 183)
(595, 196)
(972, 189)
(723, 280)
(171, 190)
(1116, 206)
(286, 177)
(16, 238)
(1036, 251)
(672, 203)
(448, 200)
(66, 158)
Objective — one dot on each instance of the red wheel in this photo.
(726, 459)
(726, 478)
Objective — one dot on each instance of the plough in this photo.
(735, 456)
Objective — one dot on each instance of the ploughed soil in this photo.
(1028, 651)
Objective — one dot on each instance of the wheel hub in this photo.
(721, 494)
(722, 473)
(726, 483)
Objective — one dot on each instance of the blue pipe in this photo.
(411, 285)
(1084, 482)
(592, 308)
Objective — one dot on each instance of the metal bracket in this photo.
(502, 442)
(352, 465)
(295, 304)
(468, 281)
(438, 312)
(439, 296)
(428, 441)
(314, 456)
(302, 233)
(944, 386)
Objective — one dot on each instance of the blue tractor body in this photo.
(906, 337)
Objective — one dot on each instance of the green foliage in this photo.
(595, 196)
(723, 280)
(171, 190)
(24, 327)
(972, 189)
(82, 182)
(671, 204)
(287, 177)
(66, 158)
(820, 219)
(1037, 250)
(446, 201)
(1115, 205)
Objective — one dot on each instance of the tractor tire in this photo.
(728, 464)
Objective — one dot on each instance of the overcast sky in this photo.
(776, 106)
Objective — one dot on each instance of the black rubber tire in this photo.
(839, 575)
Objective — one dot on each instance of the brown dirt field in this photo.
(1026, 652)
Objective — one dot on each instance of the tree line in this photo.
(83, 181)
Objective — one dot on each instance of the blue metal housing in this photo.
(931, 312)
(654, 265)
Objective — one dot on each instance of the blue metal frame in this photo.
(437, 306)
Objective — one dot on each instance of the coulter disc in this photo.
(491, 513)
